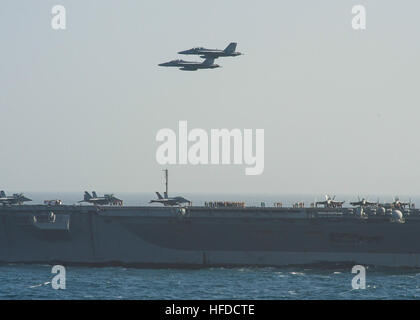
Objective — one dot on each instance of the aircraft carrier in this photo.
(211, 235)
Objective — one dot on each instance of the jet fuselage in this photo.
(190, 65)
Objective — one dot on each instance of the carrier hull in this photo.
(199, 236)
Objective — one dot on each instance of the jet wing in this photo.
(371, 203)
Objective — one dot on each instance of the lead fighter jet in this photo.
(191, 65)
(213, 53)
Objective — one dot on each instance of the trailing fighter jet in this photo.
(191, 65)
(330, 203)
(174, 201)
(363, 203)
(106, 199)
(213, 53)
(16, 198)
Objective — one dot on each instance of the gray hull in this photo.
(198, 236)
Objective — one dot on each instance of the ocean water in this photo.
(18, 281)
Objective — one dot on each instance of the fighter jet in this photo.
(330, 203)
(398, 204)
(191, 65)
(166, 201)
(16, 198)
(106, 199)
(175, 201)
(363, 203)
(213, 53)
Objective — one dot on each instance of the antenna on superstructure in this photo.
(166, 183)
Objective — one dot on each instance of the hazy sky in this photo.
(80, 108)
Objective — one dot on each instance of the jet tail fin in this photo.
(94, 194)
(230, 48)
(165, 194)
(2, 194)
(87, 196)
(159, 195)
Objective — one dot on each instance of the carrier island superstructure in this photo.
(217, 234)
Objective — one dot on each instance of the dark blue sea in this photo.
(35, 282)
(20, 281)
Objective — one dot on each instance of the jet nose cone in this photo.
(165, 64)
